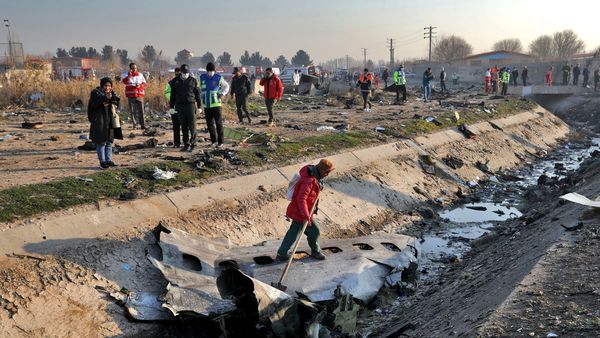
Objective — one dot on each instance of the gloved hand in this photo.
(172, 111)
(199, 110)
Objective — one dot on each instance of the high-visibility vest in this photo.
(168, 92)
(211, 90)
(399, 78)
(505, 77)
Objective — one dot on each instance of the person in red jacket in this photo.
(273, 90)
(549, 76)
(305, 195)
(134, 90)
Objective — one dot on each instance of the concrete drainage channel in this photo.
(365, 210)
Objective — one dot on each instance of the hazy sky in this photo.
(325, 28)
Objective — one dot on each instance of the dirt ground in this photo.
(61, 289)
(41, 155)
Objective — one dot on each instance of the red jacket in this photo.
(273, 87)
(305, 195)
(131, 81)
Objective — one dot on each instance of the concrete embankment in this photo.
(368, 186)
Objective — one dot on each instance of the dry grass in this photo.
(17, 88)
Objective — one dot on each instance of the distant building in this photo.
(500, 57)
(73, 67)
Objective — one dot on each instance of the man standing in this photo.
(385, 76)
(504, 79)
(174, 114)
(443, 81)
(185, 99)
(364, 84)
(566, 70)
(273, 91)
(134, 90)
(576, 73)
(427, 77)
(488, 81)
(306, 194)
(515, 76)
(524, 76)
(596, 78)
(400, 82)
(494, 72)
(240, 87)
(213, 88)
(586, 76)
(296, 80)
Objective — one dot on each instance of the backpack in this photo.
(292, 186)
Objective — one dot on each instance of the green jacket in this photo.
(505, 77)
(399, 78)
(168, 92)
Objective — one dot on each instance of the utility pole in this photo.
(391, 42)
(364, 52)
(429, 35)
(10, 51)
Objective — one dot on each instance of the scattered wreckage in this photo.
(213, 280)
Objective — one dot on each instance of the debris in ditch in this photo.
(32, 125)
(87, 146)
(159, 174)
(573, 228)
(206, 281)
(345, 312)
(453, 162)
(483, 167)
(465, 131)
(84, 179)
(128, 195)
(475, 207)
(580, 199)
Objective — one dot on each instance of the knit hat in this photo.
(269, 69)
(104, 81)
(325, 165)
(185, 68)
(210, 67)
(235, 70)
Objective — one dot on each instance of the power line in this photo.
(429, 35)
(391, 42)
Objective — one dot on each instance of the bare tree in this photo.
(567, 44)
(450, 48)
(542, 47)
(510, 45)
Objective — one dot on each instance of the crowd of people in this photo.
(187, 96)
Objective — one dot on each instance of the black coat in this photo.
(240, 86)
(100, 116)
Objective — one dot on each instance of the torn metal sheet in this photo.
(146, 306)
(360, 265)
(202, 283)
(580, 199)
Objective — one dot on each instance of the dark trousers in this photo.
(585, 81)
(565, 79)
(365, 96)
(515, 79)
(596, 81)
(214, 122)
(269, 103)
(187, 118)
(575, 80)
(176, 129)
(400, 89)
(241, 102)
(524, 82)
(313, 234)
(443, 86)
(136, 108)
(504, 88)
